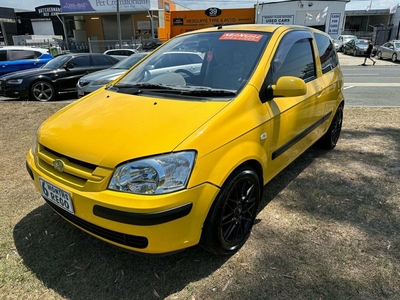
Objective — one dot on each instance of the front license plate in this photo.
(56, 195)
(81, 93)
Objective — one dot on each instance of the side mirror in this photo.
(289, 86)
(69, 65)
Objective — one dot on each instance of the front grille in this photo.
(73, 171)
(134, 241)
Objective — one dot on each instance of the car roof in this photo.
(24, 48)
(257, 27)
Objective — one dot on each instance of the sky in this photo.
(200, 4)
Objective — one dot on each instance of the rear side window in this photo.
(194, 59)
(327, 53)
(102, 60)
(299, 62)
(21, 54)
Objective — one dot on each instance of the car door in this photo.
(386, 51)
(74, 69)
(294, 119)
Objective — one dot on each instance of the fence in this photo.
(379, 36)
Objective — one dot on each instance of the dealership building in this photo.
(97, 25)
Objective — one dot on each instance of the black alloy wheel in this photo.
(42, 91)
(331, 137)
(229, 222)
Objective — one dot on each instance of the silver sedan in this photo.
(390, 50)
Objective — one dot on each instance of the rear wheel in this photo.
(331, 137)
(232, 215)
(42, 91)
(394, 57)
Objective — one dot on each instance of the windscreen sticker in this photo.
(238, 36)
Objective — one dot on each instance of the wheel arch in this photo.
(46, 79)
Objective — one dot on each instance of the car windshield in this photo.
(219, 64)
(348, 38)
(56, 62)
(129, 61)
(361, 42)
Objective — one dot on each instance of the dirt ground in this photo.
(328, 228)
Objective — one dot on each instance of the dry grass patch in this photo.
(328, 228)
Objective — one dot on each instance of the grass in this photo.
(328, 228)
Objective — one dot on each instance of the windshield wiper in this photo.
(139, 88)
(208, 92)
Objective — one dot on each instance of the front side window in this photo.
(3, 55)
(80, 61)
(327, 53)
(298, 61)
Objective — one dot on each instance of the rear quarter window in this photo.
(327, 52)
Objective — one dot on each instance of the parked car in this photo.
(336, 44)
(159, 164)
(390, 50)
(355, 47)
(121, 53)
(93, 81)
(343, 39)
(58, 76)
(186, 63)
(16, 58)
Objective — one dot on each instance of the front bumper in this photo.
(13, 91)
(154, 224)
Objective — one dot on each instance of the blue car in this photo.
(16, 58)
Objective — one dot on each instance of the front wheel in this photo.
(380, 55)
(232, 215)
(331, 137)
(394, 57)
(42, 91)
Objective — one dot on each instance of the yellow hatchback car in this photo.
(176, 152)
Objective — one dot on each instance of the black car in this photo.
(355, 47)
(58, 76)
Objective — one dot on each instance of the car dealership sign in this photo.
(280, 20)
(107, 5)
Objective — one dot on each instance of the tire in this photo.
(394, 57)
(355, 53)
(380, 55)
(231, 217)
(344, 51)
(331, 137)
(42, 91)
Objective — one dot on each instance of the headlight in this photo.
(155, 175)
(35, 142)
(101, 82)
(14, 81)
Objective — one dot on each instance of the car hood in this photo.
(26, 73)
(104, 74)
(108, 128)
